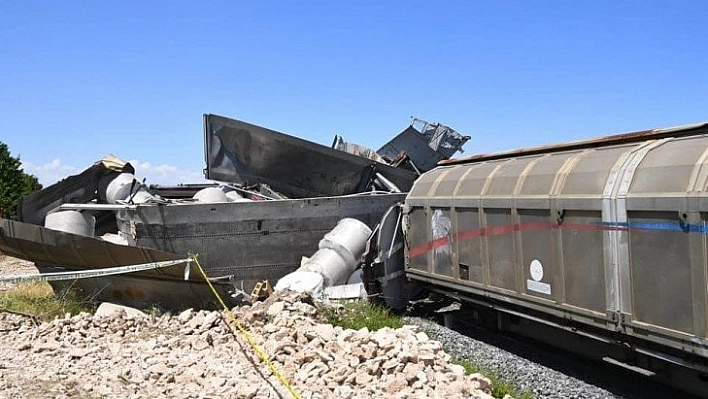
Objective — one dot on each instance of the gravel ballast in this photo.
(527, 376)
(543, 371)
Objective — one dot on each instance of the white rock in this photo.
(275, 309)
(421, 337)
(396, 384)
(210, 320)
(200, 343)
(456, 369)
(248, 391)
(185, 315)
(107, 309)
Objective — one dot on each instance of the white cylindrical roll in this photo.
(301, 281)
(334, 269)
(210, 195)
(119, 189)
(73, 222)
(348, 239)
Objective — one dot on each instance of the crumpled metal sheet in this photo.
(426, 145)
(56, 248)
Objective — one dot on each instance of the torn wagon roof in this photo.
(425, 144)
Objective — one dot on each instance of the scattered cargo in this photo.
(334, 262)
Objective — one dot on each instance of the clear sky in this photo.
(82, 79)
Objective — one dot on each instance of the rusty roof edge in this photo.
(677, 131)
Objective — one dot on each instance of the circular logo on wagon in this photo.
(536, 269)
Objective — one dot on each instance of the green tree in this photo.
(14, 183)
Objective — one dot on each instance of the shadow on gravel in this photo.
(248, 353)
(617, 380)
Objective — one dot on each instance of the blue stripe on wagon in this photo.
(663, 226)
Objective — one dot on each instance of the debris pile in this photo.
(119, 352)
(271, 197)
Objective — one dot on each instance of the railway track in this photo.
(541, 368)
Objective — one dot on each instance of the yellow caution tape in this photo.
(261, 353)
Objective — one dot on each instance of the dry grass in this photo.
(38, 299)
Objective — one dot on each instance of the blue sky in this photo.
(79, 80)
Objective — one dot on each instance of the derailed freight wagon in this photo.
(277, 196)
(605, 237)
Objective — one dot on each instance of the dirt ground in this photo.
(13, 266)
